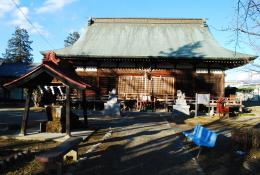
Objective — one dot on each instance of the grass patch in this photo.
(247, 114)
(27, 165)
(21, 109)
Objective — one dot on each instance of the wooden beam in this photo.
(26, 112)
(84, 107)
(68, 111)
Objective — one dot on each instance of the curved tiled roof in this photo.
(149, 37)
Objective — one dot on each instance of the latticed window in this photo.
(141, 85)
(163, 85)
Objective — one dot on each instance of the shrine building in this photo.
(141, 60)
(151, 57)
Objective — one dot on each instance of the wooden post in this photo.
(166, 101)
(68, 111)
(98, 93)
(196, 105)
(26, 112)
(222, 94)
(209, 106)
(84, 107)
(97, 79)
(241, 105)
(258, 94)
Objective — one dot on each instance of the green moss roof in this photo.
(149, 37)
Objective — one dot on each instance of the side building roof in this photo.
(43, 75)
(15, 69)
(149, 38)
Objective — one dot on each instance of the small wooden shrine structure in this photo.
(151, 57)
(52, 71)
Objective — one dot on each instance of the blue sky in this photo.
(54, 19)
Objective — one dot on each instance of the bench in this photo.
(191, 135)
(53, 158)
(202, 137)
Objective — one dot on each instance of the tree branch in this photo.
(250, 33)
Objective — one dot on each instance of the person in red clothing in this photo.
(221, 108)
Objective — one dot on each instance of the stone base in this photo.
(72, 154)
(55, 126)
(57, 120)
(112, 109)
(180, 109)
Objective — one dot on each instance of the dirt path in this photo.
(141, 145)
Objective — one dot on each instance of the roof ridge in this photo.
(149, 20)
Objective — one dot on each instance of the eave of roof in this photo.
(248, 58)
(66, 77)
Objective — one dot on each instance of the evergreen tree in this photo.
(19, 49)
(71, 39)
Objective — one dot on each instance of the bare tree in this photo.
(246, 28)
(247, 23)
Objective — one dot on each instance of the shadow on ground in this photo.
(144, 145)
(140, 145)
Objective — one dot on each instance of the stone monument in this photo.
(57, 120)
(181, 106)
(112, 107)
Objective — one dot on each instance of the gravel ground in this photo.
(152, 144)
(149, 144)
(140, 145)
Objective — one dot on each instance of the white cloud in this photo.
(20, 19)
(19, 16)
(53, 5)
(7, 6)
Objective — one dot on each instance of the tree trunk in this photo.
(26, 112)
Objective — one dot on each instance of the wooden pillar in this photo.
(68, 111)
(196, 105)
(84, 107)
(222, 94)
(97, 78)
(97, 94)
(26, 112)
